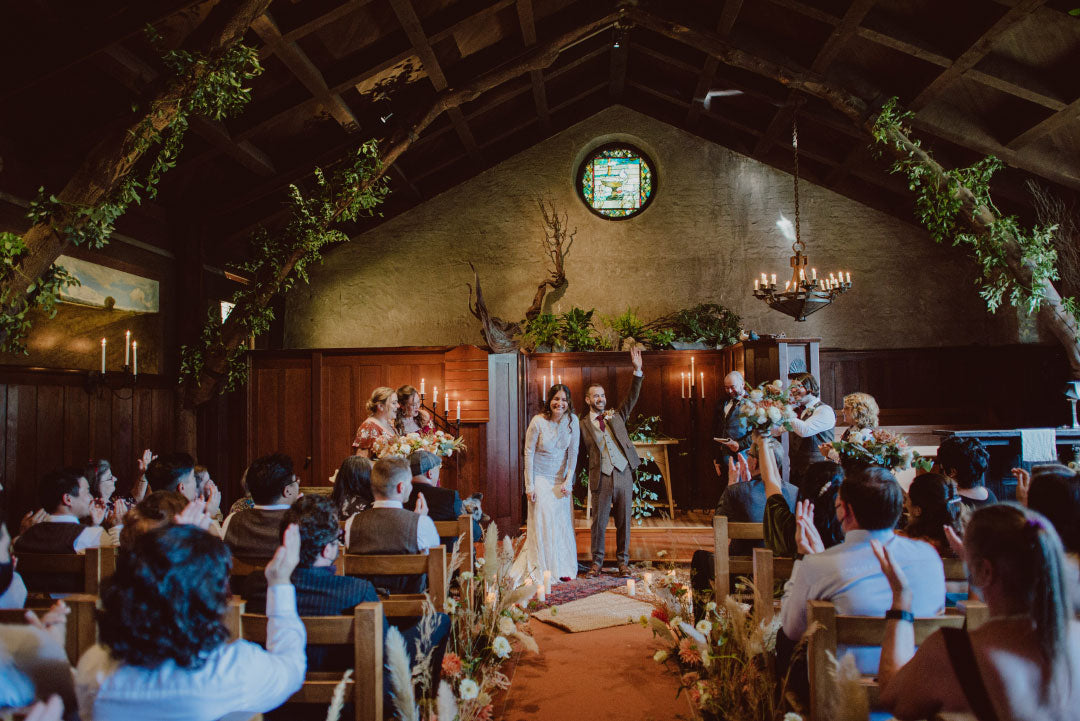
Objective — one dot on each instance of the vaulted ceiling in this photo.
(984, 76)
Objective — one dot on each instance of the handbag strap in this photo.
(962, 657)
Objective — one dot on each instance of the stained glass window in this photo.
(616, 181)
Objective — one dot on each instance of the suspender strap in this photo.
(962, 657)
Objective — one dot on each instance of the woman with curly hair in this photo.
(352, 487)
(163, 650)
(411, 418)
(383, 407)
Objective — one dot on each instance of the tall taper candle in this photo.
(682, 385)
(135, 358)
(127, 347)
(421, 386)
(701, 385)
(459, 410)
(543, 390)
(102, 356)
(435, 399)
(691, 375)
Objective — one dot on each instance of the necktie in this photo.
(600, 419)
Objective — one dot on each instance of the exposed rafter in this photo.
(300, 65)
(728, 16)
(536, 77)
(1052, 123)
(619, 52)
(318, 22)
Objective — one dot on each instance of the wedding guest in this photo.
(387, 528)
(176, 472)
(729, 435)
(163, 650)
(813, 427)
(244, 502)
(206, 489)
(383, 407)
(65, 495)
(253, 533)
(443, 504)
(155, 511)
(965, 460)
(1054, 491)
(868, 508)
(352, 486)
(103, 485)
(1023, 664)
(816, 501)
(744, 500)
(410, 417)
(932, 504)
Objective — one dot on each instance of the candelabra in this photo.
(442, 421)
(98, 382)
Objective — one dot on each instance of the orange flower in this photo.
(661, 614)
(688, 651)
(451, 664)
(485, 713)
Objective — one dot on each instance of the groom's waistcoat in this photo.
(611, 456)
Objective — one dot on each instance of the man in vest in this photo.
(254, 533)
(612, 461)
(815, 425)
(729, 435)
(389, 528)
(444, 504)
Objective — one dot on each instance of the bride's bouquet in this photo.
(880, 448)
(766, 408)
(440, 443)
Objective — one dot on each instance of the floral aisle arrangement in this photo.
(440, 443)
(726, 661)
(766, 408)
(881, 448)
(485, 620)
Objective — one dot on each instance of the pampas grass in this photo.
(847, 699)
(446, 703)
(338, 701)
(401, 684)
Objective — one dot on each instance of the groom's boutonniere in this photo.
(608, 414)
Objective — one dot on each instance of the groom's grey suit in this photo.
(612, 460)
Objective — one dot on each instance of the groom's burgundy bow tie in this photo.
(600, 419)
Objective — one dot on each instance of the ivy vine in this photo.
(352, 191)
(942, 208)
(219, 92)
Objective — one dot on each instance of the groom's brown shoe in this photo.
(624, 570)
(594, 570)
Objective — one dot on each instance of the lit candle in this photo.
(541, 595)
(459, 410)
(551, 368)
(102, 356)
(682, 385)
(764, 280)
(560, 379)
(135, 357)
(127, 347)
(631, 587)
(648, 580)
(774, 278)
(787, 284)
(543, 390)
(421, 386)
(547, 581)
(691, 375)
(701, 385)
(841, 274)
(849, 278)
(813, 272)
(802, 275)
(446, 402)
(755, 284)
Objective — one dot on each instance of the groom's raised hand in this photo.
(635, 357)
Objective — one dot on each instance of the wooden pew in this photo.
(462, 529)
(726, 565)
(767, 569)
(92, 567)
(81, 623)
(433, 563)
(866, 631)
(363, 630)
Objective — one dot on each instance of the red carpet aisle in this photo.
(592, 676)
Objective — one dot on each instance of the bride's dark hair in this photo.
(551, 394)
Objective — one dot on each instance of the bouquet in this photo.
(766, 408)
(880, 448)
(440, 443)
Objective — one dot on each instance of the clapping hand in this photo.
(738, 470)
(286, 558)
(897, 579)
(51, 710)
(212, 496)
(955, 542)
(97, 511)
(807, 538)
(194, 514)
(119, 510)
(38, 516)
(1023, 485)
(421, 504)
(54, 622)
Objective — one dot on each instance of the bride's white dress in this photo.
(550, 458)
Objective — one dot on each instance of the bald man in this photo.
(729, 437)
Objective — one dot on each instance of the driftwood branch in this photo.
(557, 242)
(498, 333)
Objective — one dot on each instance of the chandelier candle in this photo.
(127, 348)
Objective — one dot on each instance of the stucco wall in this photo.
(709, 232)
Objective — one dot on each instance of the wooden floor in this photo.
(678, 538)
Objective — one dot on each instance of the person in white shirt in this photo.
(164, 653)
(815, 425)
(65, 496)
(849, 575)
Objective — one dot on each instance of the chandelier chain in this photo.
(798, 245)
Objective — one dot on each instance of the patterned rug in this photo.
(578, 588)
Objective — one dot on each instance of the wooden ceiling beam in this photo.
(318, 23)
(301, 66)
(414, 30)
(974, 53)
(619, 52)
(1048, 125)
(728, 15)
(536, 77)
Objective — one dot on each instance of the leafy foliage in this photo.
(576, 330)
(219, 93)
(352, 191)
(708, 323)
(941, 206)
(629, 325)
(543, 330)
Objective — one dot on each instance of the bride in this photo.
(551, 448)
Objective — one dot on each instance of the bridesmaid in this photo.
(383, 407)
(411, 418)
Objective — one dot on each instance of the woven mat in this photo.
(602, 610)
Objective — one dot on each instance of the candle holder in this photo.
(692, 451)
(97, 382)
(442, 421)
(1072, 395)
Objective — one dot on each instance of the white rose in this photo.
(507, 625)
(501, 647)
(775, 415)
(756, 395)
(761, 417)
(468, 689)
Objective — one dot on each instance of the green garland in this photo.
(220, 93)
(939, 207)
(354, 190)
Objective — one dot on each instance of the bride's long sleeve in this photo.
(532, 436)
(572, 451)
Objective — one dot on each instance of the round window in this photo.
(616, 181)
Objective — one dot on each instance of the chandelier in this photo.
(805, 293)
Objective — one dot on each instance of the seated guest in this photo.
(1054, 491)
(868, 509)
(933, 503)
(387, 528)
(411, 418)
(319, 592)
(163, 650)
(816, 499)
(814, 426)
(745, 502)
(383, 407)
(206, 489)
(103, 485)
(443, 504)
(253, 533)
(352, 486)
(157, 510)
(965, 460)
(12, 588)
(1023, 664)
(176, 472)
(65, 495)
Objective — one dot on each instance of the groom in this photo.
(612, 460)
